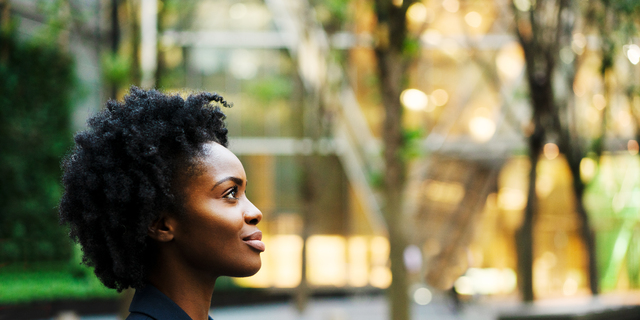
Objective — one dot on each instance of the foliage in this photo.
(116, 68)
(624, 6)
(615, 20)
(411, 47)
(48, 281)
(271, 88)
(332, 13)
(57, 15)
(36, 82)
(412, 147)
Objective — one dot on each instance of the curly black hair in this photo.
(118, 179)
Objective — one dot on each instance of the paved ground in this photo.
(355, 308)
(350, 308)
(375, 308)
(441, 308)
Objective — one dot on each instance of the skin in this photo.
(210, 239)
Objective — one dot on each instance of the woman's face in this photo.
(217, 233)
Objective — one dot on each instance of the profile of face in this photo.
(218, 233)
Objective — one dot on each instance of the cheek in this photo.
(212, 240)
(216, 226)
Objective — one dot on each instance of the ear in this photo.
(162, 230)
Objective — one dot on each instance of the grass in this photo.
(49, 281)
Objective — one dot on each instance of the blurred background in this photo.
(441, 159)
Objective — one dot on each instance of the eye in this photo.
(231, 193)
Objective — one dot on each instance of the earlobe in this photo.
(162, 229)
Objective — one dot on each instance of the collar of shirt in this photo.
(155, 304)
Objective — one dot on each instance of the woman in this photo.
(158, 203)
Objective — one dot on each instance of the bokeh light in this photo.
(551, 151)
(522, 5)
(633, 147)
(510, 61)
(599, 101)
(473, 19)
(482, 128)
(440, 97)
(417, 13)
(414, 99)
(633, 53)
(451, 5)
(422, 296)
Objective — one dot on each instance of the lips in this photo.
(254, 240)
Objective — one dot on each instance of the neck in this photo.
(189, 289)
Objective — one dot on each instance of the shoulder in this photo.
(150, 303)
(138, 316)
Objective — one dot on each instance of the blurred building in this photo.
(307, 126)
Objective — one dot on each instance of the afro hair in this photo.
(118, 178)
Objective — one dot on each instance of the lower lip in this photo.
(256, 244)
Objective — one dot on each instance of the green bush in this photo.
(49, 281)
(36, 81)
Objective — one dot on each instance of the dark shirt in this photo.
(150, 304)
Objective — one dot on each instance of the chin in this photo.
(248, 270)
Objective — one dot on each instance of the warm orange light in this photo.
(482, 128)
(593, 115)
(544, 185)
(417, 13)
(579, 43)
(287, 262)
(414, 99)
(447, 192)
(588, 168)
(358, 261)
(551, 151)
(510, 61)
(511, 199)
(473, 19)
(486, 281)
(633, 147)
(440, 97)
(451, 5)
(326, 260)
(578, 89)
(380, 275)
(599, 101)
(570, 287)
(281, 264)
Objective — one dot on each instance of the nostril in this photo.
(254, 221)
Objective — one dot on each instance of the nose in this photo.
(252, 215)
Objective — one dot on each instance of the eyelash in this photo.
(232, 194)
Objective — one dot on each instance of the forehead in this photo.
(218, 160)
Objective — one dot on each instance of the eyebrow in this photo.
(237, 181)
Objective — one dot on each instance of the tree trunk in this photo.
(588, 236)
(134, 16)
(524, 235)
(391, 35)
(302, 292)
(5, 17)
(115, 40)
(541, 94)
(541, 40)
(572, 147)
(391, 68)
(574, 156)
(161, 66)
